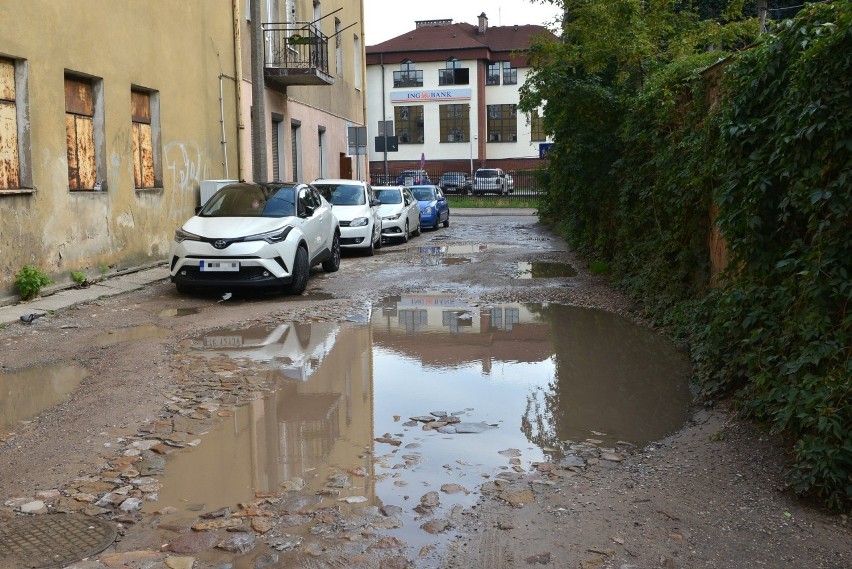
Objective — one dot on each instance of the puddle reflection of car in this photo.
(399, 211)
(256, 235)
(295, 350)
(434, 209)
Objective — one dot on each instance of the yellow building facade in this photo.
(112, 115)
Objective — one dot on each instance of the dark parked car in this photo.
(455, 182)
(412, 177)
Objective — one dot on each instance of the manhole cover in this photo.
(52, 540)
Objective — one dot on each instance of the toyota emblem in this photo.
(220, 243)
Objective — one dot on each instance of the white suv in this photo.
(357, 211)
(490, 181)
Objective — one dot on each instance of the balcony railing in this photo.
(295, 54)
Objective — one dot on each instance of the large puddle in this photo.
(26, 393)
(516, 383)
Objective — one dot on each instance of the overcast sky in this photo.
(386, 19)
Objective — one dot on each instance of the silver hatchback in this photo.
(490, 181)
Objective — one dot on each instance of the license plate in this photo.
(209, 266)
(223, 341)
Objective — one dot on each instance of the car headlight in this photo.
(359, 222)
(181, 236)
(427, 210)
(392, 217)
(276, 236)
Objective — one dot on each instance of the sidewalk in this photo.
(124, 282)
(491, 211)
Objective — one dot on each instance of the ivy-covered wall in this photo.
(643, 155)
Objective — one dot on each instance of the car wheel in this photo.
(300, 272)
(447, 221)
(371, 248)
(437, 222)
(332, 264)
(378, 243)
(182, 289)
(405, 233)
(417, 229)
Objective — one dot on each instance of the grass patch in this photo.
(599, 268)
(492, 201)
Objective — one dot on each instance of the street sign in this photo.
(392, 146)
(543, 149)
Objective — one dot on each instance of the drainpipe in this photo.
(362, 61)
(222, 120)
(384, 117)
(259, 162)
(238, 70)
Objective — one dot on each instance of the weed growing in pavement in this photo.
(30, 281)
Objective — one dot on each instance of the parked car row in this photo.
(484, 181)
(269, 235)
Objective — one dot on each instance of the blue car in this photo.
(434, 208)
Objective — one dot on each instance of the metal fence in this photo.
(524, 184)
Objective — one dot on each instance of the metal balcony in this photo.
(296, 54)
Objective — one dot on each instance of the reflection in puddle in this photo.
(178, 312)
(454, 260)
(292, 351)
(24, 394)
(461, 249)
(131, 334)
(518, 376)
(544, 270)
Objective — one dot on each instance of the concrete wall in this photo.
(177, 49)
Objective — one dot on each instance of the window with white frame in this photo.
(409, 124)
(408, 75)
(510, 74)
(455, 122)
(502, 123)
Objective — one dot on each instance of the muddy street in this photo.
(471, 398)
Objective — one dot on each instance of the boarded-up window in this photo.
(80, 133)
(143, 150)
(9, 160)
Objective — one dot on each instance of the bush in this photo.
(30, 281)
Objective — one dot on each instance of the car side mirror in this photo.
(374, 202)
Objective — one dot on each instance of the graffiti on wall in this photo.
(186, 164)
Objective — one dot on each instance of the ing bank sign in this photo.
(428, 95)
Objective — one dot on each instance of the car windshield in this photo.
(339, 194)
(426, 194)
(486, 173)
(251, 201)
(389, 196)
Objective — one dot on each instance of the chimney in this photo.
(483, 23)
